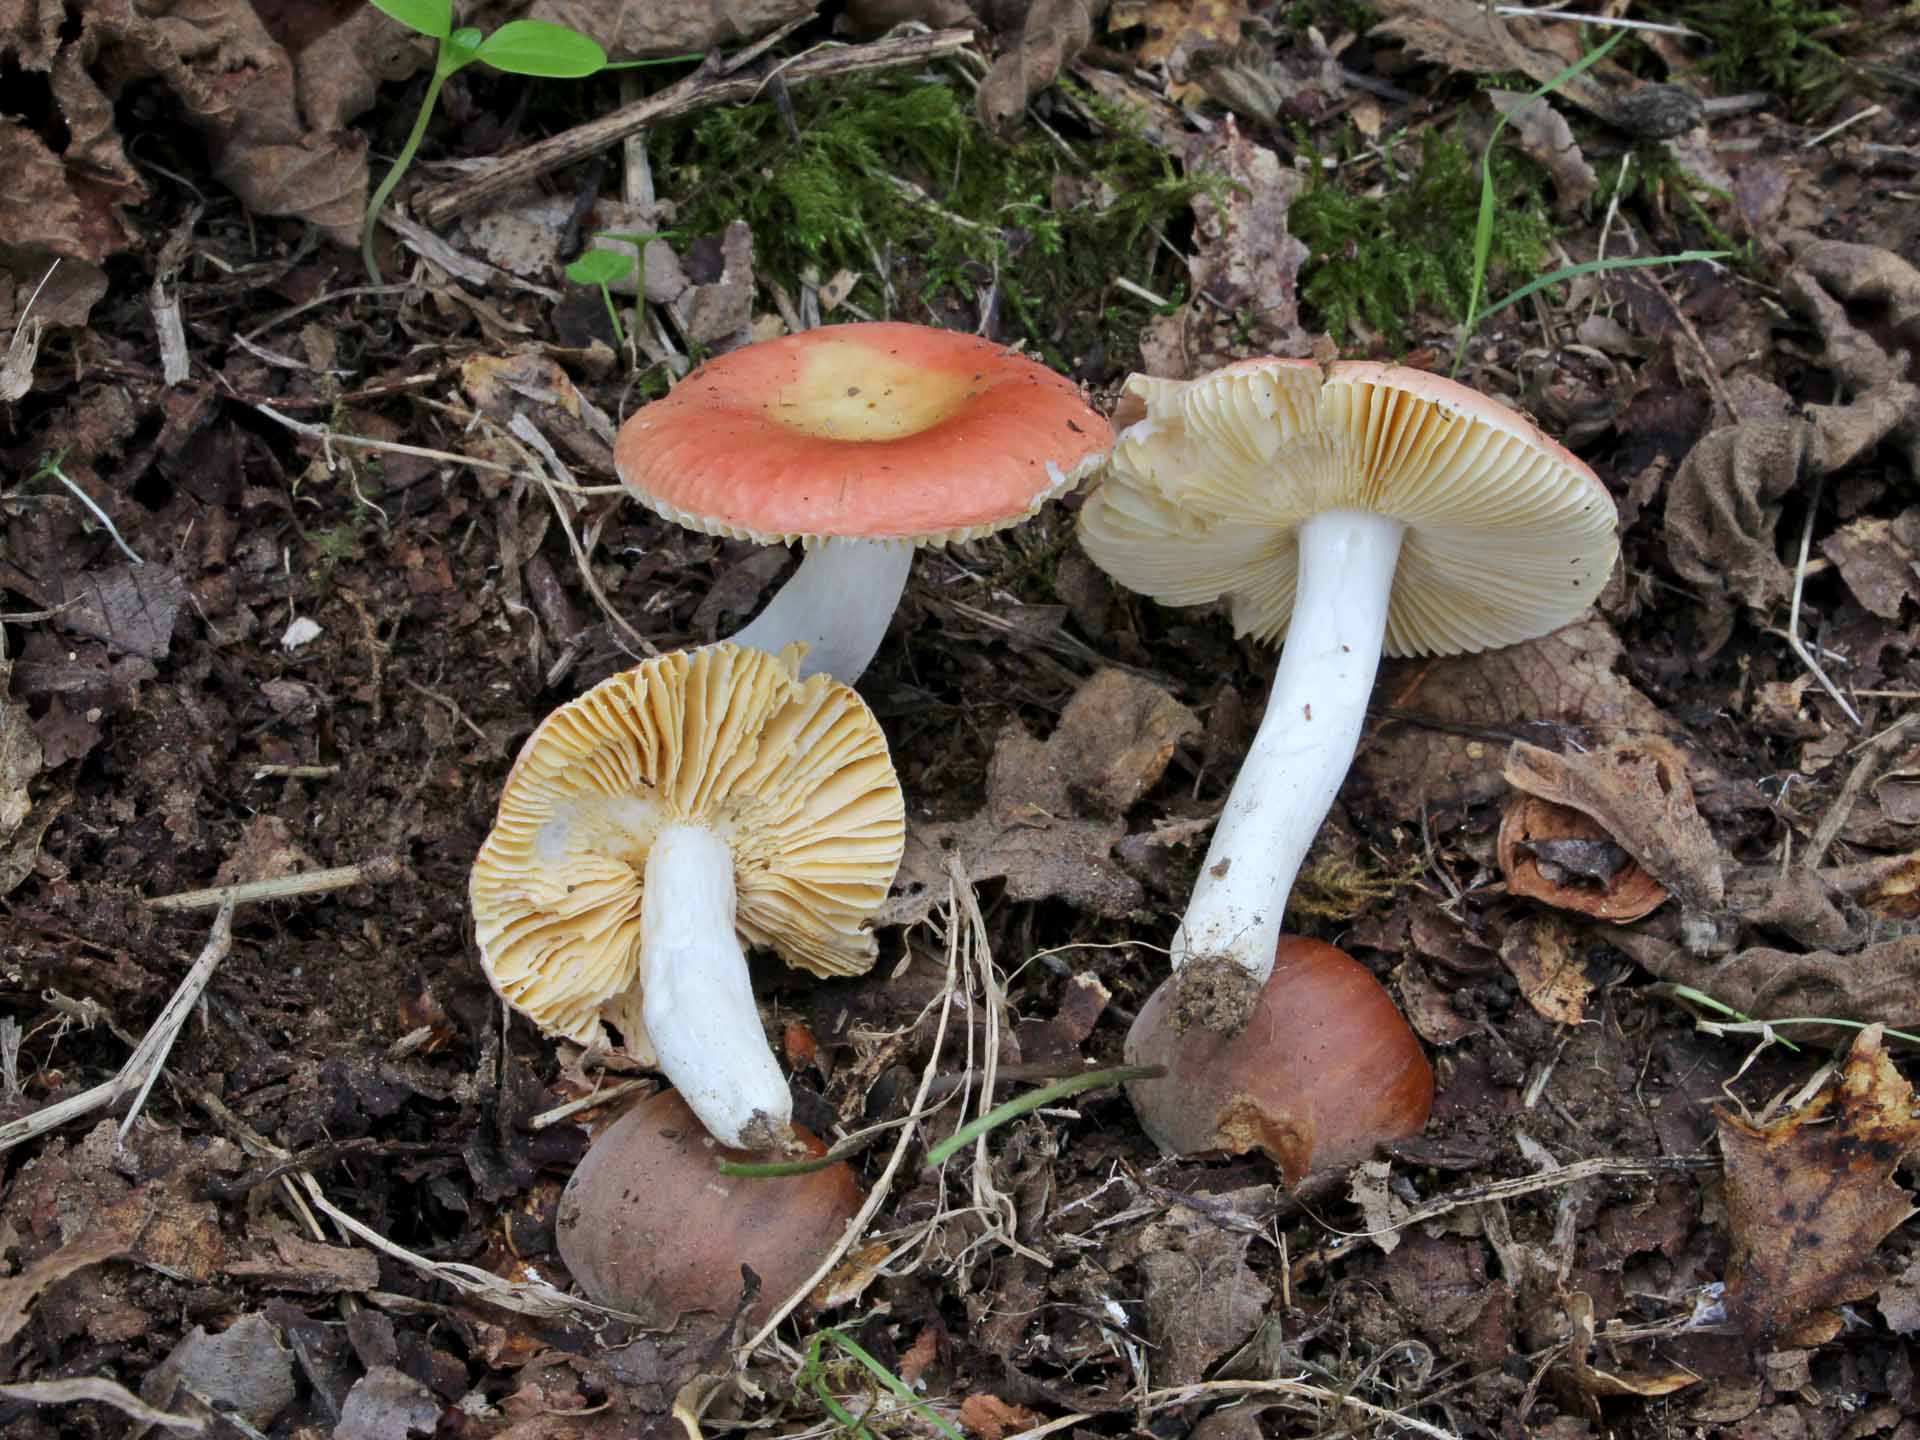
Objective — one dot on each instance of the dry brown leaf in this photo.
(1054, 810)
(1559, 681)
(1810, 1196)
(17, 1293)
(1557, 855)
(1428, 1008)
(1542, 954)
(1245, 265)
(1468, 35)
(627, 29)
(1179, 29)
(1548, 141)
(1637, 789)
(992, 1418)
(1055, 32)
(1201, 1298)
(1876, 559)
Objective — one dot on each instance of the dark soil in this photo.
(188, 740)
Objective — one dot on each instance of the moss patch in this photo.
(1378, 258)
(901, 169)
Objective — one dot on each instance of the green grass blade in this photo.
(539, 47)
(1033, 1100)
(893, 1383)
(429, 17)
(1489, 204)
(1589, 267)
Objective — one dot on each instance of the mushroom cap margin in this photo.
(1509, 535)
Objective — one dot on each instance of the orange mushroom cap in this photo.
(878, 431)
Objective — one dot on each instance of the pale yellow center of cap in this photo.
(848, 392)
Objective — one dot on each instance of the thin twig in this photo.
(857, 1226)
(436, 206)
(136, 1077)
(1792, 634)
(377, 871)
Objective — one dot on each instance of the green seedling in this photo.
(606, 267)
(1484, 222)
(603, 268)
(49, 469)
(538, 48)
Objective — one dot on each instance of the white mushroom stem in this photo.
(838, 602)
(1305, 743)
(697, 1000)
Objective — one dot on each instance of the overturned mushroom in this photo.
(1323, 1072)
(705, 800)
(647, 1224)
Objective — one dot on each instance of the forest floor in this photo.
(264, 648)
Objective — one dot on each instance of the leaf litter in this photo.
(390, 1269)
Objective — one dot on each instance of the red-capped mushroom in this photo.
(862, 442)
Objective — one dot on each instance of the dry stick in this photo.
(529, 434)
(857, 1226)
(149, 1056)
(377, 871)
(1879, 752)
(435, 207)
(1792, 633)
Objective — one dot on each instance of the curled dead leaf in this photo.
(1555, 854)
(1595, 1383)
(1446, 745)
(1054, 33)
(1637, 791)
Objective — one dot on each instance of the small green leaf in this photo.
(539, 47)
(600, 267)
(429, 17)
(458, 50)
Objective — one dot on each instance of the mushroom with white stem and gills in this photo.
(704, 800)
(1357, 509)
(862, 442)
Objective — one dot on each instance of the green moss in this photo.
(901, 168)
(1770, 45)
(1376, 259)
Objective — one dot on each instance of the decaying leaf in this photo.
(1637, 789)
(1054, 33)
(1878, 983)
(1724, 504)
(1811, 1195)
(1543, 956)
(1055, 809)
(1548, 140)
(1201, 1298)
(1596, 1383)
(242, 1370)
(1557, 855)
(17, 1293)
(631, 28)
(1245, 265)
(991, 1418)
(1471, 36)
(1446, 739)
(1877, 560)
